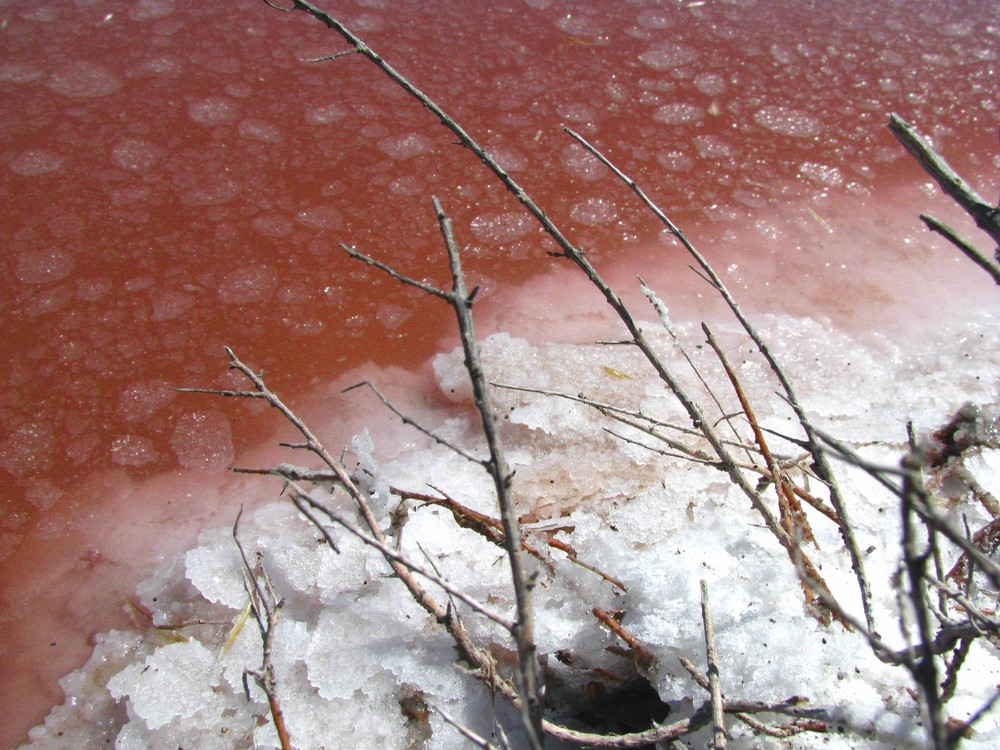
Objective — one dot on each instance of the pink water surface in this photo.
(177, 176)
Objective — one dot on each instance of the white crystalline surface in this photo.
(352, 649)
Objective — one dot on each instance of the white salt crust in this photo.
(351, 644)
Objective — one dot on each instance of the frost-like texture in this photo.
(356, 659)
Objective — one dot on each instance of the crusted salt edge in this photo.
(350, 638)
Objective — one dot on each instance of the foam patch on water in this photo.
(351, 645)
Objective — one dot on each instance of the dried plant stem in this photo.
(822, 465)
(987, 217)
(714, 681)
(266, 608)
(461, 299)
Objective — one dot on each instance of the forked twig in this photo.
(266, 607)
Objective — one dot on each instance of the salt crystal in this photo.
(202, 440)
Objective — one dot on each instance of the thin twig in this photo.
(823, 468)
(987, 217)
(263, 598)
(714, 682)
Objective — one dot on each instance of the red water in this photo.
(178, 177)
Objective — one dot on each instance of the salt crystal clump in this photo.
(19, 72)
(260, 130)
(148, 10)
(714, 147)
(788, 121)
(678, 113)
(581, 163)
(81, 79)
(325, 114)
(711, 84)
(594, 211)
(136, 154)
(132, 450)
(212, 110)
(42, 266)
(405, 146)
(248, 284)
(496, 229)
(202, 440)
(668, 55)
(34, 162)
(351, 643)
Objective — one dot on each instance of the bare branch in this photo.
(262, 598)
(987, 217)
(715, 686)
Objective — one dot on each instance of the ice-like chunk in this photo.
(369, 476)
(175, 682)
(216, 570)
